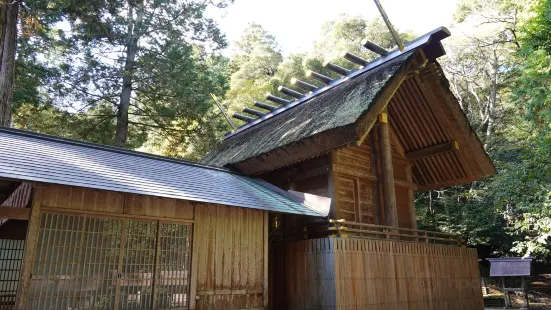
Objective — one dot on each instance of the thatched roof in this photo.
(427, 123)
(337, 109)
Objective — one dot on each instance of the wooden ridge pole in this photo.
(387, 172)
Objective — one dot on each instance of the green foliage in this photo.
(533, 87)
(508, 214)
(253, 69)
(79, 80)
(69, 81)
(345, 34)
(523, 189)
(259, 67)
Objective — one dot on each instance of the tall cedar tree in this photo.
(141, 62)
(9, 11)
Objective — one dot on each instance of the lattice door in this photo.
(97, 263)
(76, 263)
(174, 259)
(11, 254)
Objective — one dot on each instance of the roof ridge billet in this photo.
(437, 34)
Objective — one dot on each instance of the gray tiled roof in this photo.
(42, 158)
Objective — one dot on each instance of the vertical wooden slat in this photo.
(157, 277)
(120, 264)
(376, 274)
(265, 279)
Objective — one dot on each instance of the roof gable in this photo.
(427, 122)
(335, 110)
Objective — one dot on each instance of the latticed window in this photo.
(87, 262)
(11, 254)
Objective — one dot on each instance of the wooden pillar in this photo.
(411, 199)
(266, 265)
(28, 254)
(387, 172)
(376, 168)
(194, 260)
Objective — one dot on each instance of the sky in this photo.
(296, 23)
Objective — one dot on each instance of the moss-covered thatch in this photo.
(334, 109)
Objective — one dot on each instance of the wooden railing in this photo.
(360, 230)
(345, 229)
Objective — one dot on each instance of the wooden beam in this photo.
(29, 251)
(387, 172)
(15, 213)
(350, 171)
(433, 150)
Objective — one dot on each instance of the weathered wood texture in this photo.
(20, 197)
(304, 274)
(386, 178)
(14, 207)
(362, 274)
(357, 181)
(231, 259)
(79, 199)
(229, 269)
(435, 134)
(30, 250)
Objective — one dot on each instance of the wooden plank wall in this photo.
(229, 259)
(303, 274)
(357, 194)
(355, 185)
(379, 274)
(75, 199)
(232, 265)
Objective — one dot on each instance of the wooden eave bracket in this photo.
(438, 149)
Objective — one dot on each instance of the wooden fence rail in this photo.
(343, 228)
(360, 230)
(357, 273)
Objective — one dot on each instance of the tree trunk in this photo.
(8, 41)
(493, 99)
(127, 78)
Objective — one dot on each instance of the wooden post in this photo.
(387, 172)
(505, 294)
(157, 277)
(30, 248)
(525, 302)
(411, 200)
(266, 261)
(375, 167)
(194, 261)
(122, 247)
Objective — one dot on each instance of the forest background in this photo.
(139, 74)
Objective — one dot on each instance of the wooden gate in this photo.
(85, 262)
